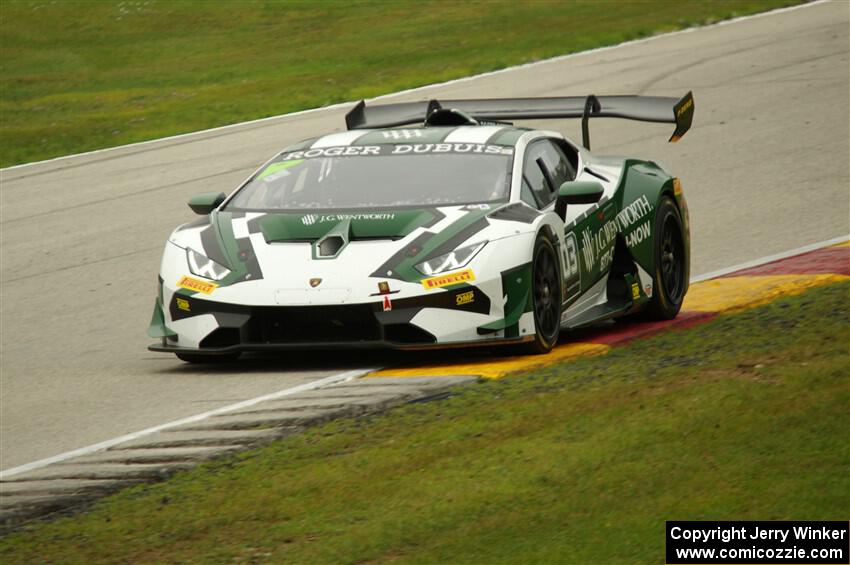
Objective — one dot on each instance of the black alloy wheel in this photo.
(546, 296)
(672, 260)
(671, 267)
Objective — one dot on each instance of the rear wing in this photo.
(643, 108)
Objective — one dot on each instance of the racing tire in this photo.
(669, 279)
(545, 296)
(201, 358)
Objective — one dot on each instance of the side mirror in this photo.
(577, 192)
(205, 203)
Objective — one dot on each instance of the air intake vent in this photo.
(329, 246)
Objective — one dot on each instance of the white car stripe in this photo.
(472, 134)
(240, 228)
(342, 138)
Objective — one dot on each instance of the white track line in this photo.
(771, 258)
(426, 87)
(333, 379)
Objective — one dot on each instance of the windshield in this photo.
(380, 176)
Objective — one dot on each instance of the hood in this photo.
(250, 244)
(396, 224)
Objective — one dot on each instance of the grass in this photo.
(744, 417)
(82, 75)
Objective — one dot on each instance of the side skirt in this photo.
(611, 296)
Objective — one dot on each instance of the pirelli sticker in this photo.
(197, 285)
(448, 280)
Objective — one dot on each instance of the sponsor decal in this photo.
(635, 291)
(277, 170)
(641, 233)
(196, 285)
(310, 219)
(315, 282)
(404, 149)
(402, 133)
(388, 305)
(596, 247)
(647, 290)
(395, 149)
(465, 298)
(347, 151)
(447, 280)
(689, 103)
(384, 288)
(634, 212)
(677, 188)
(182, 304)
(605, 259)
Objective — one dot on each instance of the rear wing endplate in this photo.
(643, 108)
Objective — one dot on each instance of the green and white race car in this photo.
(431, 224)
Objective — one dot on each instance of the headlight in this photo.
(203, 266)
(450, 261)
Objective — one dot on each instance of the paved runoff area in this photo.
(73, 482)
(764, 169)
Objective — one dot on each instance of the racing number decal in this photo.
(571, 255)
(572, 272)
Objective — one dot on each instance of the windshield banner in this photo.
(398, 149)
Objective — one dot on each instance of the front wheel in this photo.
(546, 297)
(669, 277)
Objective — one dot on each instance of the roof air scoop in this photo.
(438, 116)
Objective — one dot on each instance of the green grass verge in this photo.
(744, 417)
(82, 75)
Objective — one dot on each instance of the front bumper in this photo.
(190, 324)
(302, 346)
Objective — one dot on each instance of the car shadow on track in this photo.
(331, 360)
(339, 360)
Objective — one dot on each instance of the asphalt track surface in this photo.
(765, 169)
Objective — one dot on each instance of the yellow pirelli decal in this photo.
(197, 285)
(448, 280)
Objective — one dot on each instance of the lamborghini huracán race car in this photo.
(431, 224)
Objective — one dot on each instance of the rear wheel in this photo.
(201, 358)
(669, 282)
(546, 297)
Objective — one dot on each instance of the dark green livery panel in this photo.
(629, 217)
